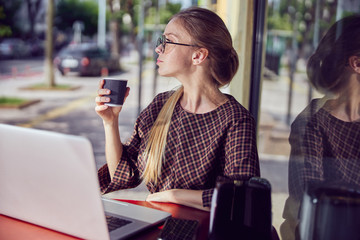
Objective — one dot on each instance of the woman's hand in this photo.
(190, 198)
(107, 113)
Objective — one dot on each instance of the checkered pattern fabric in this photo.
(199, 148)
(323, 148)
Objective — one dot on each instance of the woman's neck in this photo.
(346, 106)
(201, 98)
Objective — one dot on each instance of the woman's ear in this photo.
(354, 63)
(200, 55)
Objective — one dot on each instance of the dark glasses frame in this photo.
(162, 41)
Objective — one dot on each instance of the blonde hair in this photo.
(154, 153)
(208, 31)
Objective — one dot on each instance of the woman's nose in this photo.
(158, 49)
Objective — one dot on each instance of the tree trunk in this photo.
(114, 28)
(32, 9)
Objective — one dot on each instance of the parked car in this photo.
(37, 47)
(85, 59)
(14, 48)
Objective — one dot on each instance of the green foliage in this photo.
(168, 12)
(86, 11)
(70, 11)
(298, 16)
(5, 31)
(118, 17)
(11, 101)
(8, 25)
(165, 12)
(173, 8)
(279, 22)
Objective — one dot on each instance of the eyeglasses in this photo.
(162, 41)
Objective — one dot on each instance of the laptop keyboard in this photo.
(115, 223)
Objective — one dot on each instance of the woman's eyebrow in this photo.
(171, 34)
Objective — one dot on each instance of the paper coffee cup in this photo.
(117, 89)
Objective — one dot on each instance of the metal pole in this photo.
(291, 84)
(315, 41)
(140, 49)
(157, 33)
(49, 69)
(101, 23)
(339, 10)
(293, 59)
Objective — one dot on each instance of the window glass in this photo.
(309, 121)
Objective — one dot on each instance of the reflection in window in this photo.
(324, 143)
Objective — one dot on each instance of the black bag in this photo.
(330, 211)
(241, 210)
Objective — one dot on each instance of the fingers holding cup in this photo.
(116, 90)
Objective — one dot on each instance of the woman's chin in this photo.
(163, 74)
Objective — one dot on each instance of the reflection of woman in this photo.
(325, 137)
(185, 138)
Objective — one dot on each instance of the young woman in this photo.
(186, 138)
(325, 137)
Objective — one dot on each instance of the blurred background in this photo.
(54, 52)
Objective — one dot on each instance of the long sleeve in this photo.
(305, 165)
(131, 165)
(306, 159)
(126, 174)
(241, 157)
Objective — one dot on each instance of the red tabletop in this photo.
(14, 229)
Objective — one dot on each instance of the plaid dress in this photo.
(323, 149)
(199, 148)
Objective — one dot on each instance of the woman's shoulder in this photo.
(309, 120)
(313, 114)
(163, 97)
(235, 110)
(236, 107)
(311, 110)
(157, 103)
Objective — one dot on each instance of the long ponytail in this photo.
(155, 148)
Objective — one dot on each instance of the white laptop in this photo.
(50, 179)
